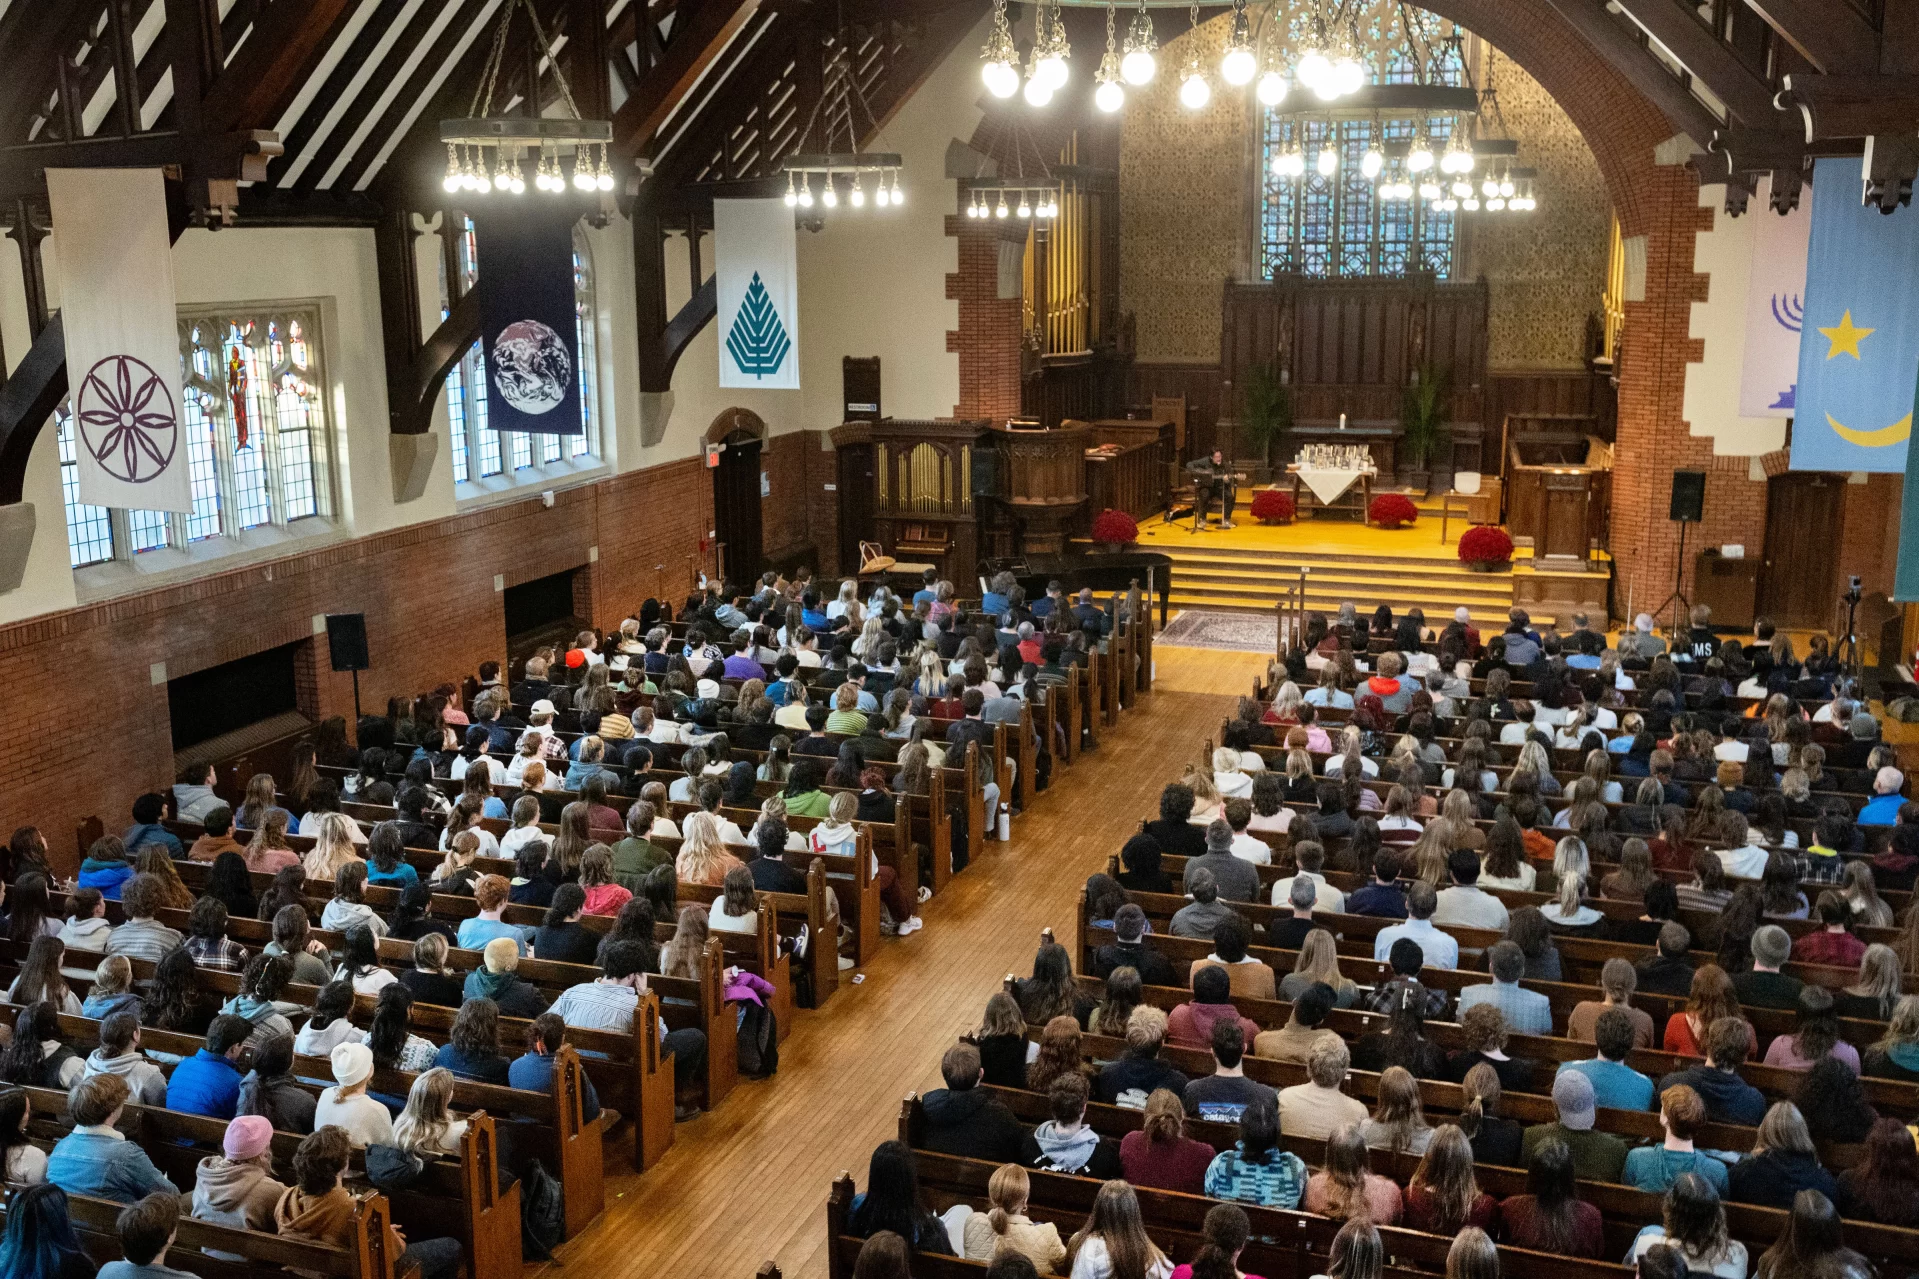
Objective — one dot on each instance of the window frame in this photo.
(176, 547)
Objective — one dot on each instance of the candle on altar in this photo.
(1342, 421)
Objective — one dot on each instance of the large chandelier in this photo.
(485, 152)
(837, 171)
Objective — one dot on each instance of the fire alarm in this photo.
(713, 455)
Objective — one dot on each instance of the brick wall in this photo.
(1869, 532)
(988, 338)
(432, 613)
(797, 508)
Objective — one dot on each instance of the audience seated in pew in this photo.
(95, 1158)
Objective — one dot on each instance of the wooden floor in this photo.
(749, 1182)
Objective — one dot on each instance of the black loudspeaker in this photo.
(346, 641)
(1688, 496)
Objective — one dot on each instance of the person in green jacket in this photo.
(804, 798)
(635, 855)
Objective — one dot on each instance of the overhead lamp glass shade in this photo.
(1506, 188)
(1002, 210)
(1313, 67)
(1470, 204)
(1052, 69)
(1194, 92)
(1462, 188)
(1001, 80)
(1372, 162)
(1420, 158)
(1025, 208)
(1138, 67)
(1495, 204)
(1349, 76)
(806, 196)
(1429, 190)
(1038, 91)
(899, 196)
(857, 197)
(830, 197)
(1289, 163)
(1327, 162)
(1238, 66)
(1489, 187)
(1272, 89)
(1109, 97)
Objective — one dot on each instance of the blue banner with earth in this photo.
(529, 324)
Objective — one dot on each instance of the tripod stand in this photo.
(1678, 595)
(1847, 653)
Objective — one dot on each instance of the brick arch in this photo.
(736, 419)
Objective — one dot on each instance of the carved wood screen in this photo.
(1353, 346)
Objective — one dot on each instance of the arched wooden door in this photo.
(736, 506)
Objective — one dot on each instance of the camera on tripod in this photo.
(1854, 589)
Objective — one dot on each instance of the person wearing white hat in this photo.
(347, 1106)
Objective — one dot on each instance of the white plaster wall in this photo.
(872, 282)
(1711, 405)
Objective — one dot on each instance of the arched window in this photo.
(481, 455)
(1340, 225)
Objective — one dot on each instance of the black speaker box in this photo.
(1688, 496)
(346, 641)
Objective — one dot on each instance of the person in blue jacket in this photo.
(95, 1158)
(106, 867)
(208, 1083)
(532, 1071)
(146, 828)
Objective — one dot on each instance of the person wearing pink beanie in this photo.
(236, 1188)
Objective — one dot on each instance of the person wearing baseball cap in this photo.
(346, 1105)
(1597, 1156)
(236, 1187)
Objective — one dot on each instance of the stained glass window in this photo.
(254, 426)
(1337, 225)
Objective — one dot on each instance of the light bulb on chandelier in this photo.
(1038, 92)
(857, 196)
(1272, 88)
(999, 60)
(1312, 68)
(1025, 209)
(1373, 161)
(1052, 69)
(806, 193)
(1349, 76)
(1429, 190)
(1327, 162)
(1002, 210)
(1470, 204)
(1139, 64)
(1194, 91)
(1420, 158)
(451, 182)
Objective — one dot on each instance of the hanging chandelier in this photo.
(1033, 196)
(485, 152)
(836, 171)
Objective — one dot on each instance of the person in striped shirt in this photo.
(609, 1001)
(142, 936)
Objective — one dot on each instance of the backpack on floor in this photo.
(759, 1041)
(542, 1214)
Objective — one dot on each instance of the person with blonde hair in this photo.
(1783, 1162)
(1319, 962)
(332, 849)
(1348, 1187)
(1006, 1227)
(1356, 1251)
(1229, 779)
(1861, 894)
(1472, 1256)
(1874, 996)
(1896, 1055)
(703, 858)
(1113, 1243)
(427, 1127)
(1443, 1196)
(269, 851)
(1159, 1155)
(1400, 1122)
(1315, 1108)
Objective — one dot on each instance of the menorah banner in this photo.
(756, 274)
(113, 260)
(1775, 309)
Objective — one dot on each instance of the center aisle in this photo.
(749, 1182)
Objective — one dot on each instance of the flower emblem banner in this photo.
(756, 275)
(113, 261)
(529, 326)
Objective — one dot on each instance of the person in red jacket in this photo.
(1832, 944)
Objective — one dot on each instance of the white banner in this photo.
(115, 268)
(1775, 306)
(757, 277)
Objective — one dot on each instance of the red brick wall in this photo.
(431, 612)
(797, 508)
(1869, 532)
(988, 338)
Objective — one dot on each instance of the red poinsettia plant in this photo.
(1392, 510)
(1116, 527)
(1485, 544)
(1270, 506)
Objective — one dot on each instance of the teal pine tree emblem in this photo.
(758, 341)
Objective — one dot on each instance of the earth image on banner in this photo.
(531, 367)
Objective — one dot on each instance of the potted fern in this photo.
(1423, 424)
(1266, 410)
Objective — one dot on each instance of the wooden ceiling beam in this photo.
(32, 46)
(327, 96)
(696, 42)
(289, 39)
(396, 110)
(1745, 93)
(412, 34)
(1854, 106)
(1636, 62)
(1830, 34)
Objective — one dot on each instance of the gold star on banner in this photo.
(1845, 339)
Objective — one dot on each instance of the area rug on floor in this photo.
(1233, 632)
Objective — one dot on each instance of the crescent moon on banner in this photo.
(1885, 435)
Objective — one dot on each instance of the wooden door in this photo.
(1802, 520)
(857, 493)
(736, 508)
(1565, 517)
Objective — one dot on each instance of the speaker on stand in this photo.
(346, 646)
(1688, 506)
